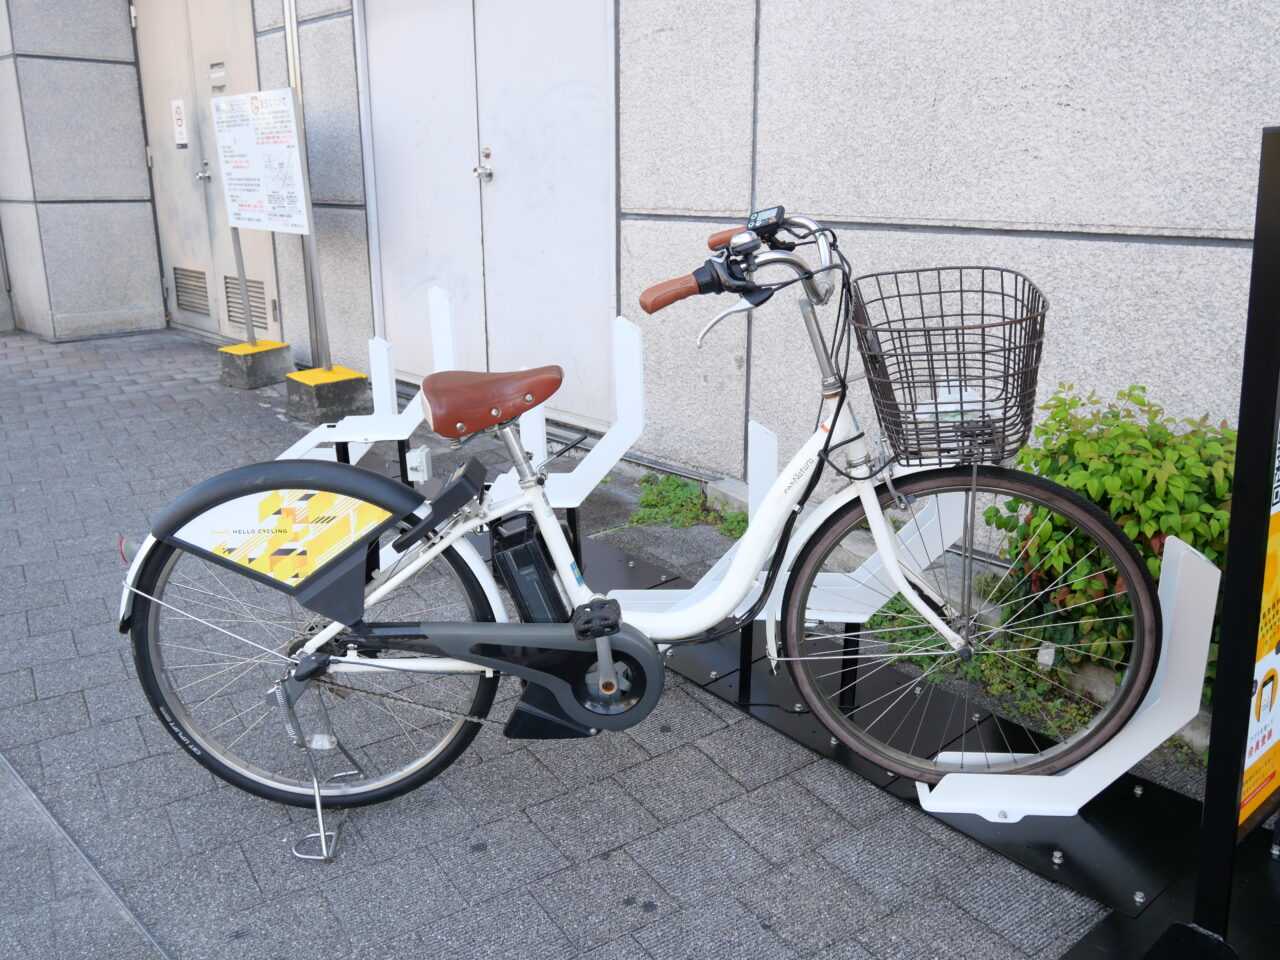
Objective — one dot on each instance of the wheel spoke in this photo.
(899, 693)
(213, 645)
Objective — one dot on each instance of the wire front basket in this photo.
(952, 355)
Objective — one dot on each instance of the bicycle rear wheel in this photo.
(214, 642)
(1059, 610)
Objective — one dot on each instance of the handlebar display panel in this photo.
(765, 222)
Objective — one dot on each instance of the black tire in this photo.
(260, 758)
(890, 688)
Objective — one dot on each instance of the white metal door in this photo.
(423, 107)
(544, 80)
(189, 52)
(527, 259)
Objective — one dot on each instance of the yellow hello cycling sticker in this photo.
(286, 535)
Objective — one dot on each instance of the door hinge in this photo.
(150, 157)
(133, 16)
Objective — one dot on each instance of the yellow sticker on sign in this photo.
(286, 535)
(1262, 749)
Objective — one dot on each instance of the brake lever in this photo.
(748, 301)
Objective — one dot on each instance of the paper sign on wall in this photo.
(260, 161)
(179, 112)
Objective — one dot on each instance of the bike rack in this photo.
(350, 439)
(1188, 594)
(1047, 824)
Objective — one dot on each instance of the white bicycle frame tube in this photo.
(837, 427)
(754, 551)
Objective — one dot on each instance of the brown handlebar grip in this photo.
(722, 237)
(668, 292)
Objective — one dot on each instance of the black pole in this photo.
(1246, 555)
(746, 646)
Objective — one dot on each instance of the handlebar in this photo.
(703, 280)
(714, 277)
(721, 238)
(668, 292)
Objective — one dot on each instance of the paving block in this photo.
(804, 822)
(250, 366)
(412, 892)
(717, 928)
(696, 858)
(676, 720)
(595, 819)
(505, 929)
(601, 899)
(497, 858)
(949, 931)
(728, 494)
(326, 396)
(679, 784)
(813, 905)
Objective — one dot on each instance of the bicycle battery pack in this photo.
(521, 562)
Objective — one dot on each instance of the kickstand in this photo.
(328, 838)
(285, 695)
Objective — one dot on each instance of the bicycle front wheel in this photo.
(211, 645)
(1058, 611)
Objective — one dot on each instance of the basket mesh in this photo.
(952, 355)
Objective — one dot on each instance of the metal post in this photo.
(746, 647)
(244, 288)
(316, 319)
(849, 668)
(1220, 829)
(320, 326)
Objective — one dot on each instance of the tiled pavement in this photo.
(700, 833)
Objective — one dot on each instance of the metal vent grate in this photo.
(192, 290)
(257, 302)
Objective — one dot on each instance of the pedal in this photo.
(599, 618)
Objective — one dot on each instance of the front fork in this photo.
(906, 581)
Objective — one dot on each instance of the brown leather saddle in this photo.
(459, 402)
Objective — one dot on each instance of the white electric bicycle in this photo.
(312, 631)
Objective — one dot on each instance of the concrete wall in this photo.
(1107, 149)
(332, 117)
(75, 198)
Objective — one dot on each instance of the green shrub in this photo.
(676, 502)
(1156, 476)
(733, 524)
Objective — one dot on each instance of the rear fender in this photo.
(298, 526)
(131, 581)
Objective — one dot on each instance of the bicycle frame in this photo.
(838, 429)
(741, 577)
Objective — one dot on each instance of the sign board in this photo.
(178, 109)
(1242, 783)
(260, 161)
(1262, 752)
